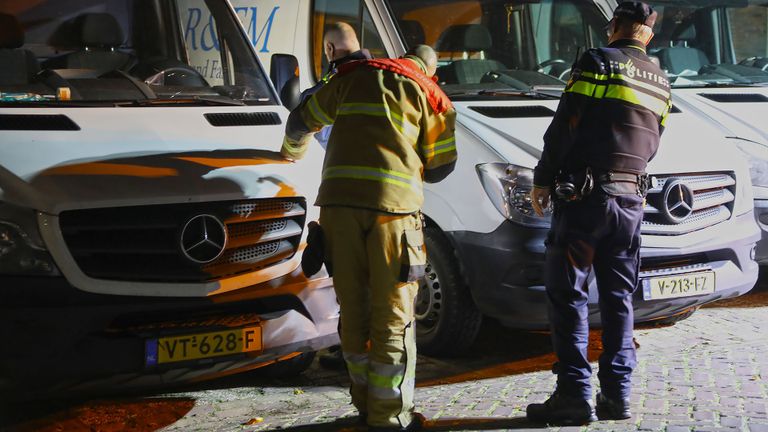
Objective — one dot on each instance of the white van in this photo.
(503, 64)
(150, 232)
(716, 54)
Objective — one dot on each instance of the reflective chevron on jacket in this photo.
(386, 140)
(611, 116)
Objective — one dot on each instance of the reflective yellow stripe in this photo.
(666, 113)
(357, 366)
(384, 380)
(439, 147)
(374, 174)
(406, 128)
(627, 94)
(587, 89)
(379, 110)
(644, 85)
(594, 76)
(317, 112)
(445, 150)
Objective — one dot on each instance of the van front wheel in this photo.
(447, 321)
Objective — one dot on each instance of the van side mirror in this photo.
(284, 73)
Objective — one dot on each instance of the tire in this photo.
(447, 320)
(288, 368)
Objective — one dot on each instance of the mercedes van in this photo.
(150, 232)
(716, 55)
(504, 64)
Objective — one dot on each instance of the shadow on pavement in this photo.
(114, 415)
(439, 425)
(504, 352)
(756, 298)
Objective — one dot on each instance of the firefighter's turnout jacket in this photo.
(611, 115)
(387, 137)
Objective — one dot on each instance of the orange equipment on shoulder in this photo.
(437, 99)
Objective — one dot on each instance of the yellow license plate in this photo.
(202, 345)
(683, 285)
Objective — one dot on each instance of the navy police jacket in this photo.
(610, 117)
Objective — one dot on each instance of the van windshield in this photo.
(126, 52)
(487, 46)
(712, 43)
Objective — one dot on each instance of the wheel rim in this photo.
(429, 301)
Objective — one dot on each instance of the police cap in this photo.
(637, 12)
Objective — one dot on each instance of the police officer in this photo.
(393, 128)
(605, 131)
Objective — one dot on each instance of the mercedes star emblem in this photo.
(203, 239)
(678, 201)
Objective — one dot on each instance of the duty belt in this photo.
(611, 177)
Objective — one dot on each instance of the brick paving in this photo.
(707, 373)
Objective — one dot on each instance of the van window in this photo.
(703, 43)
(486, 45)
(127, 52)
(352, 12)
(746, 24)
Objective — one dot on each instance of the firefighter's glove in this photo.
(314, 255)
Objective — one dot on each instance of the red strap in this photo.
(437, 99)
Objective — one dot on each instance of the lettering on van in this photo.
(200, 29)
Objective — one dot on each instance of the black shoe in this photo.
(561, 410)
(416, 424)
(612, 409)
(333, 360)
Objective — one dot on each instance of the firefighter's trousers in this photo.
(376, 259)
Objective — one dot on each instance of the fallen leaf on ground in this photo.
(253, 421)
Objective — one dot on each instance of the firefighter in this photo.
(340, 45)
(393, 128)
(605, 131)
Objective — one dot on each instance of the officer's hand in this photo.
(540, 199)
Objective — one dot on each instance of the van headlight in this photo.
(757, 159)
(509, 188)
(19, 253)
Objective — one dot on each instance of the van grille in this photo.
(145, 244)
(713, 198)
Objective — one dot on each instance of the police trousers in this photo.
(377, 259)
(602, 234)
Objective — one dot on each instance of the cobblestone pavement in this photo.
(707, 373)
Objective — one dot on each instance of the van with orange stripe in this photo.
(150, 232)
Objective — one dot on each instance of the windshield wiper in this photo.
(532, 93)
(194, 100)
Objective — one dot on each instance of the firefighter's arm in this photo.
(581, 91)
(437, 145)
(316, 112)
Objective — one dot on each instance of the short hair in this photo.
(426, 54)
(630, 28)
(342, 36)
